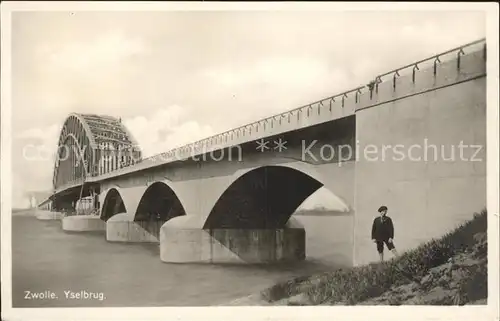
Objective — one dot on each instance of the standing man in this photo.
(383, 232)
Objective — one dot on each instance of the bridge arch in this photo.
(88, 146)
(113, 204)
(262, 198)
(130, 196)
(75, 141)
(159, 202)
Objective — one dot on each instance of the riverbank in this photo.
(451, 270)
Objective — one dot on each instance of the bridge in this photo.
(230, 197)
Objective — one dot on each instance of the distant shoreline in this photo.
(321, 212)
(23, 212)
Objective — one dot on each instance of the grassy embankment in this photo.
(445, 271)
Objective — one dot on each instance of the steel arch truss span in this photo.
(91, 145)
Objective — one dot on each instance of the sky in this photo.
(176, 77)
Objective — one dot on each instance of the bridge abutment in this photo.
(426, 139)
(183, 240)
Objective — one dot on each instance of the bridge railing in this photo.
(435, 60)
(201, 145)
(432, 61)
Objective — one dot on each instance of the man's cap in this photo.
(382, 208)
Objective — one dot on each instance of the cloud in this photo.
(47, 134)
(269, 86)
(283, 71)
(104, 53)
(92, 59)
(33, 160)
(165, 129)
(89, 74)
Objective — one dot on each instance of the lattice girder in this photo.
(88, 146)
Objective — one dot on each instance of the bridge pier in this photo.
(123, 228)
(44, 215)
(83, 223)
(182, 240)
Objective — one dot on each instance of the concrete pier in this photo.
(44, 215)
(122, 228)
(83, 223)
(182, 241)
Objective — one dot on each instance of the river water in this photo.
(45, 258)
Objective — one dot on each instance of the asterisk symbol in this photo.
(280, 145)
(262, 145)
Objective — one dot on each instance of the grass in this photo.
(364, 282)
(354, 285)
